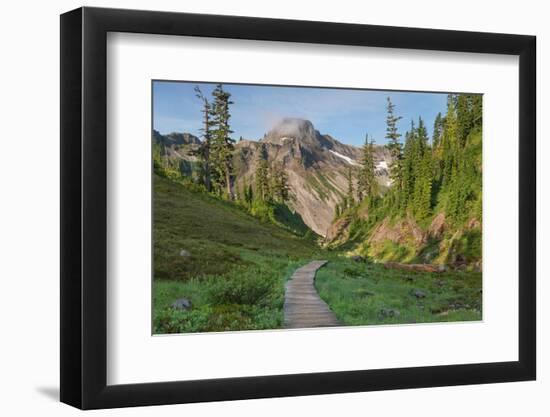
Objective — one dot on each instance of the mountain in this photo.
(317, 165)
(175, 138)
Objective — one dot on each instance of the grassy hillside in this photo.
(234, 265)
(364, 293)
(450, 232)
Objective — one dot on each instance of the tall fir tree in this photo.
(367, 184)
(464, 117)
(263, 191)
(394, 145)
(350, 199)
(204, 149)
(477, 109)
(248, 194)
(222, 143)
(281, 188)
(437, 130)
(423, 175)
(407, 168)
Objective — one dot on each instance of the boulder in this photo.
(419, 294)
(388, 312)
(185, 253)
(182, 304)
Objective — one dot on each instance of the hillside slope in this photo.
(378, 230)
(229, 265)
(217, 234)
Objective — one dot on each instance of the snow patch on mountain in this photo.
(345, 158)
(382, 165)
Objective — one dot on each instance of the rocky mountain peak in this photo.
(293, 130)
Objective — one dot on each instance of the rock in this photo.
(388, 312)
(419, 294)
(441, 268)
(437, 227)
(181, 304)
(358, 258)
(185, 253)
(401, 232)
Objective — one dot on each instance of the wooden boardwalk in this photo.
(303, 307)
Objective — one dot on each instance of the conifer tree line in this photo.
(443, 174)
(271, 182)
(216, 157)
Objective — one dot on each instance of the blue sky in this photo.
(344, 114)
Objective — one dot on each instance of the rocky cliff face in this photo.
(316, 164)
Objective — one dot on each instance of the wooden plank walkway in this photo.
(303, 307)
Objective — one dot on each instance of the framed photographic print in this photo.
(258, 208)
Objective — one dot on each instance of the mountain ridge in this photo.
(317, 165)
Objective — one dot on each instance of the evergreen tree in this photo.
(246, 198)
(263, 191)
(417, 173)
(423, 175)
(350, 200)
(367, 184)
(222, 143)
(248, 194)
(464, 117)
(438, 130)
(477, 110)
(204, 149)
(449, 142)
(281, 189)
(394, 145)
(407, 167)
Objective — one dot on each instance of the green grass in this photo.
(238, 265)
(366, 294)
(235, 274)
(246, 298)
(280, 215)
(389, 251)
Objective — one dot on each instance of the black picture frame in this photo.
(84, 207)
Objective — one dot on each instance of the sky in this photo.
(347, 115)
